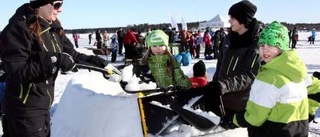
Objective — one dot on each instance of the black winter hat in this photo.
(199, 69)
(38, 3)
(243, 11)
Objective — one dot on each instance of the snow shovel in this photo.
(158, 120)
(105, 72)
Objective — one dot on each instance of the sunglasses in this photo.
(56, 4)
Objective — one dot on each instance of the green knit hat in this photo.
(157, 38)
(275, 34)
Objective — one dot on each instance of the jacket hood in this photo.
(288, 65)
(24, 12)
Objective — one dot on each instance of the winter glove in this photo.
(311, 118)
(143, 73)
(227, 123)
(57, 60)
(215, 89)
(97, 61)
(316, 74)
(123, 84)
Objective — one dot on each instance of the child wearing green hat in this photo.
(164, 68)
(278, 101)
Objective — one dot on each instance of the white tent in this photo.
(217, 22)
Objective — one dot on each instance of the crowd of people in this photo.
(268, 91)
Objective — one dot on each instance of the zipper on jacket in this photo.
(56, 43)
(254, 60)
(229, 65)
(235, 64)
(53, 45)
(50, 98)
(25, 99)
(21, 91)
(45, 48)
(45, 30)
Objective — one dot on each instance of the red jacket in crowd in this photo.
(130, 38)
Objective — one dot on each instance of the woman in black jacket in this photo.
(33, 49)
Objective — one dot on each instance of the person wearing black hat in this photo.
(33, 49)
(238, 66)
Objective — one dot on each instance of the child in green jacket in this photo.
(314, 96)
(278, 101)
(164, 68)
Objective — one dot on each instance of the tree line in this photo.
(190, 25)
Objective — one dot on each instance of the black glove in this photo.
(316, 74)
(226, 122)
(215, 89)
(311, 118)
(97, 61)
(57, 60)
(123, 84)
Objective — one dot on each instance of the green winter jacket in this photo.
(278, 101)
(158, 67)
(314, 96)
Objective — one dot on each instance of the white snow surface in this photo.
(88, 105)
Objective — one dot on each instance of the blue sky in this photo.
(118, 13)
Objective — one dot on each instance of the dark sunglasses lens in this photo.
(57, 5)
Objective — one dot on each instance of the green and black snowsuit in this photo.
(278, 101)
(314, 97)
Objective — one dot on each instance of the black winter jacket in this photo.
(237, 67)
(30, 83)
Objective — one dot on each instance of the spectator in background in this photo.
(90, 37)
(130, 41)
(171, 34)
(313, 36)
(98, 39)
(120, 35)
(192, 45)
(106, 38)
(141, 47)
(216, 39)
(208, 44)
(290, 38)
(114, 48)
(184, 37)
(295, 37)
(76, 37)
(197, 43)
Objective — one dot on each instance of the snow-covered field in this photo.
(87, 105)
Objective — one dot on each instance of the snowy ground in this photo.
(87, 105)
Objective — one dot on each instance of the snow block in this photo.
(89, 110)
